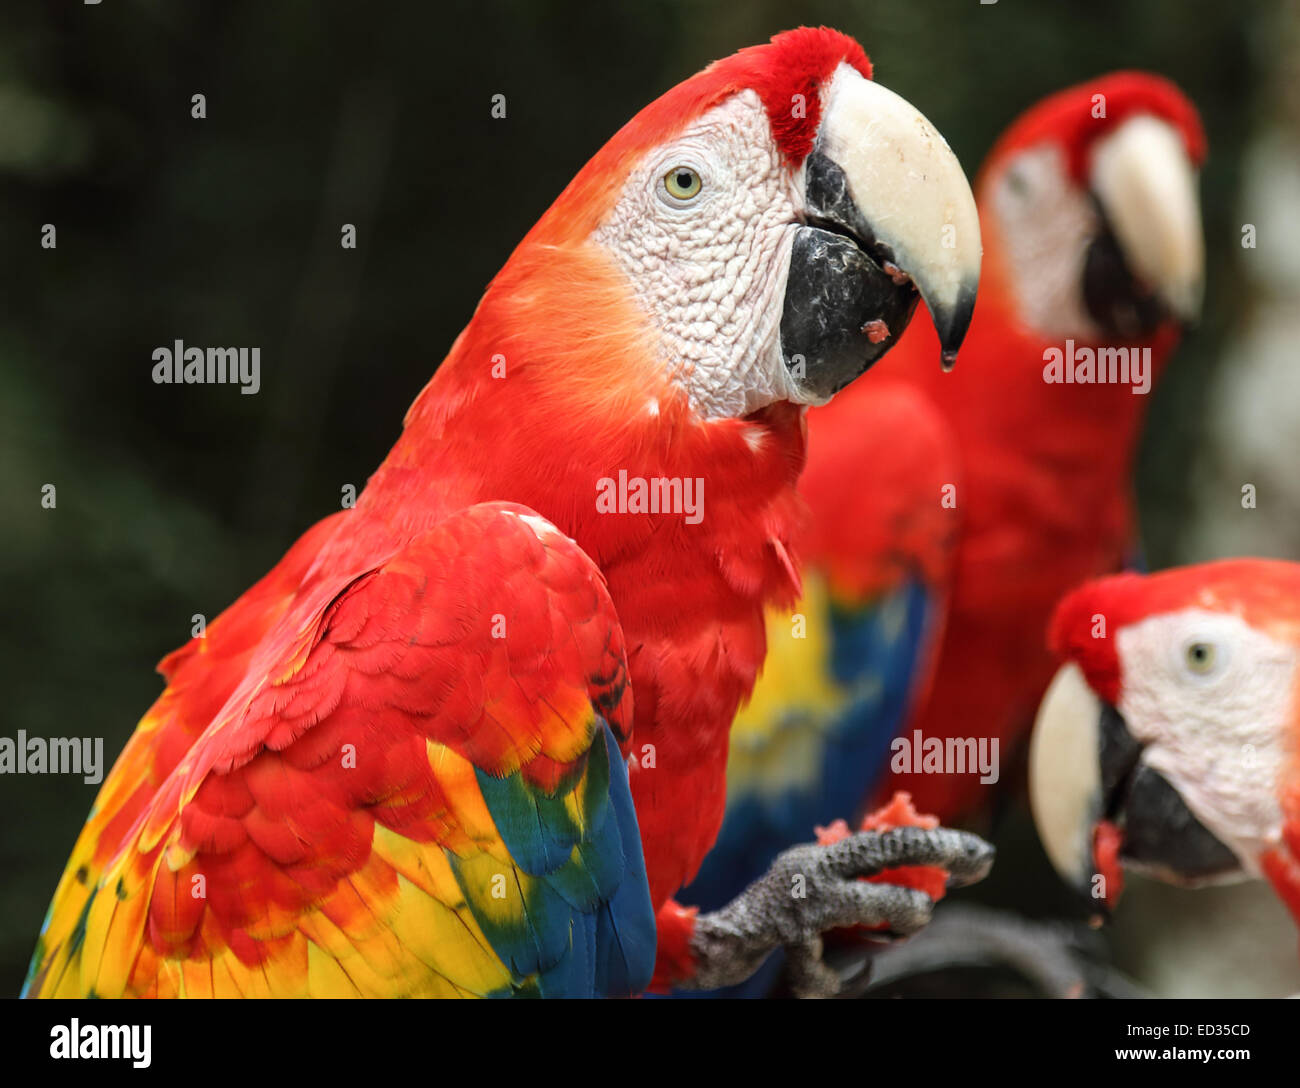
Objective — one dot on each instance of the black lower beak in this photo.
(846, 304)
(842, 312)
(1117, 301)
(1160, 835)
(1163, 838)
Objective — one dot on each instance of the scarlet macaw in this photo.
(990, 491)
(396, 765)
(1168, 740)
(1090, 209)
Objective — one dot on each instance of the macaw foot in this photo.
(812, 889)
(1052, 959)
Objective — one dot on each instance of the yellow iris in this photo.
(682, 182)
(1201, 657)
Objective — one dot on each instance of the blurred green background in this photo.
(173, 499)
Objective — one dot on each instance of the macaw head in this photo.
(1090, 211)
(1167, 743)
(760, 233)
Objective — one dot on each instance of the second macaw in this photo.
(949, 512)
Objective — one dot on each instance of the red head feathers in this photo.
(1077, 116)
(1265, 593)
(788, 75)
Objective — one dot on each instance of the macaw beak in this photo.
(1149, 264)
(888, 216)
(1097, 804)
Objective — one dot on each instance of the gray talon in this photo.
(811, 889)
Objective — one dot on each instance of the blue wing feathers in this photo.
(586, 927)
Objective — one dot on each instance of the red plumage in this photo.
(1074, 118)
(1045, 500)
(1264, 593)
(372, 634)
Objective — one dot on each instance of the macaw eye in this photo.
(1200, 656)
(1018, 183)
(682, 183)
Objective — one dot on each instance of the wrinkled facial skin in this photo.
(711, 269)
(1205, 694)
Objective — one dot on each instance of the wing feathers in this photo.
(415, 789)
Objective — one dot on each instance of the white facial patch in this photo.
(710, 269)
(1046, 223)
(1209, 696)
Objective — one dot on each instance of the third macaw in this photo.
(1169, 741)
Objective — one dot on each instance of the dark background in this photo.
(225, 231)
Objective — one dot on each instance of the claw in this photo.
(812, 889)
(806, 972)
(966, 857)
